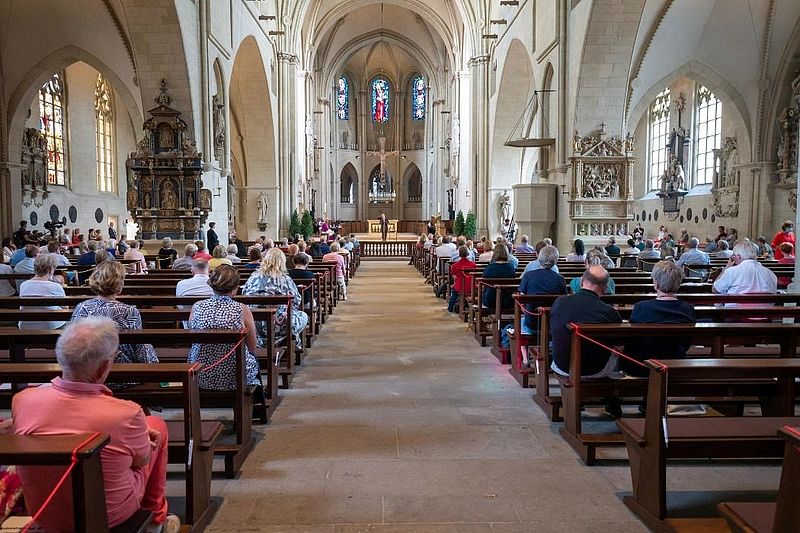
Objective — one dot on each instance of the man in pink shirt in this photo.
(134, 463)
(335, 257)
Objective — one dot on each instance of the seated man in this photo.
(26, 266)
(524, 246)
(723, 250)
(744, 274)
(186, 261)
(461, 282)
(694, 256)
(612, 248)
(197, 285)
(584, 307)
(649, 251)
(134, 463)
(540, 281)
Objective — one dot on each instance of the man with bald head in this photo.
(583, 307)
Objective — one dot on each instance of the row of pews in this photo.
(196, 434)
(742, 365)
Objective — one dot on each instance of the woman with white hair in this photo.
(272, 279)
(167, 254)
(666, 308)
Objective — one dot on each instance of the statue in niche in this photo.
(219, 126)
(504, 206)
(263, 207)
(205, 199)
(169, 199)
(147, 200)
(345, 139)
(190, 201)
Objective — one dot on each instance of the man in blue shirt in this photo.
(524, 246)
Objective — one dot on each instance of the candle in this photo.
(438, 207)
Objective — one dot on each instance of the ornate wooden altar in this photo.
(165, 194)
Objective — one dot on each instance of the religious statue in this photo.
(504, 206)
(263, 206)
(169, 199)
(672, 180)
(219, 126)
(190, 201)
(382, 183)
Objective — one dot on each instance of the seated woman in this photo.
(254, 254)
(787, 258)
(107, 282)
(499, 267)
(578, 254)
(134, 253)
(271, 279)
(219, 257)
(166, 254)
(665, 309)
(594, 257)
(42, 285)
(222, 312)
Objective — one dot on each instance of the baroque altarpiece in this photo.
(165, 190)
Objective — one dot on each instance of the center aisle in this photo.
(400, 421)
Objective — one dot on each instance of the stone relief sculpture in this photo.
(34, 158)
(787, 146)
(601, 180)
(726, 179)
(218, 108)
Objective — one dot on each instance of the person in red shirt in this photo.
(787, 258)
(201, 251)
(461, 282)
(134, 463)
(786, 234)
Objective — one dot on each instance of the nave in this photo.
(400, 421)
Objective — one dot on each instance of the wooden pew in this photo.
(285, 352)
(657, 437)
(239, 400)
(772, 517)
(577, 392)
(88, 492)
(191, 440)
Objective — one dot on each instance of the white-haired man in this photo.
(694, 256)
(744, 274)
(524, 246)
(134, 463)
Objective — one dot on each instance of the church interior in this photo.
(616, 124)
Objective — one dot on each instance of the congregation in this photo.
(106, 272)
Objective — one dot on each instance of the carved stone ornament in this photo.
(727, 177)
(218, 109)
(793, 200)
(601, 199)
(34, 158)
(787, 147)
(164, 177)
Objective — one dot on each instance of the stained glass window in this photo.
(709, 134)
(380, 100)
(418, 98)
(658, 137)
(343, 99)
(51, 122)
(104, 119)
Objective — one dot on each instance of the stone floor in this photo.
(399, 421)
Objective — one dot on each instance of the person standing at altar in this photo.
(384, 222)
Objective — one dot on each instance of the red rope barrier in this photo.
(61, 481)
(576, 331)
(226, 356)
(528, 312)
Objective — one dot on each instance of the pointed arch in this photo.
(348, 184)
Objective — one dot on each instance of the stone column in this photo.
(287, 145)
(363, 187)
(479, 71)
(399, 138)
(795, 285)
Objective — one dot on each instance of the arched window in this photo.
(418, 98)
(104, 144)
(658, 137)
(51, 122)
(708, 134)
(343, 99)
(380, 100)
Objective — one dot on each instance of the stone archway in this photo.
(252, 141)
(516, 84)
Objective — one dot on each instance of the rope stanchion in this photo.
(576, 331)
(226, 356)
(60, 483)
